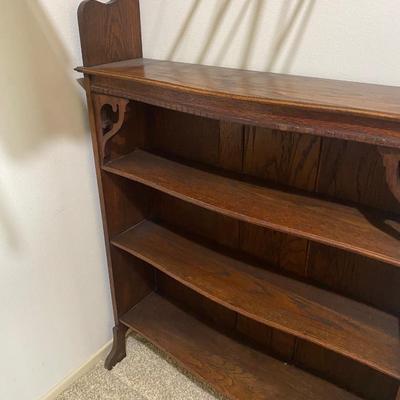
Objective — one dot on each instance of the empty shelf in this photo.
(319, 220)
(233, 369)
(347, 327)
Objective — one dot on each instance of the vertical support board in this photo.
(110, 31)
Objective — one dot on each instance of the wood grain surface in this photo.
(109, 32)
(276, 172)
(370, 234)
(234, 369)
(264, 87)
(342, 325)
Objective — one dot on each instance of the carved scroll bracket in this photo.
(111, 119)
(391, 161)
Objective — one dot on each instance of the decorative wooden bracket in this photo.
(111, 122)
(391, 161)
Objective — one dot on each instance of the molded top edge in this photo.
(313, 94)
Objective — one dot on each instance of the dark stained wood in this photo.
(115, 128)
(391, 161)
(132, 279)
(287, 158)
(255, 331)
(342, 325)
(231, 142)
(277, 343)
(81, 82)
(210, 311)
(355, 172)
(275, 248)
(370, 234)
(133, 132)
(343, 126)
(109, 32)
(200, 221)
(358, 277)
(305, 93)
(283, 345)
(110, 125)
(123, 204)
(289, 174)
(184, 135)
(352, 376)
(259, 98)
(234, 369)
(118, 351)
(338, 270)
(225, 231)
(342, 272)
(128, 286)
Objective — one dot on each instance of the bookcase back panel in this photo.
(350, 375)
(371, 281)
(289, 159)
(184, 135)
(355, 172)
(132, 280)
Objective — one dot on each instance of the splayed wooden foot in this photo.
(118, 351)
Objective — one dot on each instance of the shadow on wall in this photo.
(40, 102)
(299, 17)
(292, 23)
(39, 99)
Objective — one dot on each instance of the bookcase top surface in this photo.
(314, 94)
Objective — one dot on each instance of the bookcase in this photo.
(251, 219)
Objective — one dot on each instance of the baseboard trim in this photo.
(82, 370)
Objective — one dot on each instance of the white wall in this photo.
(341, 39)
(54, 300)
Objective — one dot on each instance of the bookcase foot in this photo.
(118, 351)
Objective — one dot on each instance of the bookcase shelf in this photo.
(374, 235)
(251, 220)
(342, 325)
(233, 368)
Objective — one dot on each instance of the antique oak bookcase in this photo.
(251, 219)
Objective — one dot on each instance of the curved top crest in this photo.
(109, 31)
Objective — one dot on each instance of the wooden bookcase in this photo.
(252, 220)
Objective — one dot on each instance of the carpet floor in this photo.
(145, 374)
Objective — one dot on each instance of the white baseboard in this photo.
(82, 370)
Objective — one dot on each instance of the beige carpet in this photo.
(145, 374)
